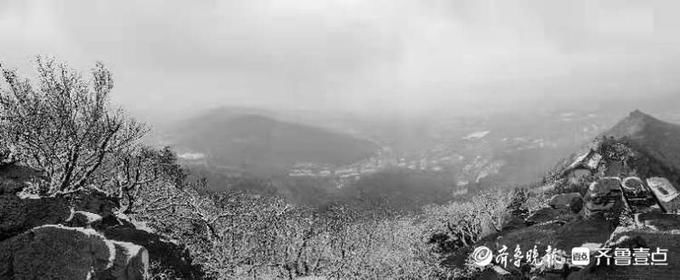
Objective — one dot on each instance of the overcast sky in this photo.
(371, 55)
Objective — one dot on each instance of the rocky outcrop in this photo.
(131, 262)
(20, 214)
(59, 252)
(550, 215)
(572, 201)
(79, 236)
(168, 254)
(603, 197)
(58, 238)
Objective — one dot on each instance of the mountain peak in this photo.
(654, 137)
(640, 116)
(633, 125)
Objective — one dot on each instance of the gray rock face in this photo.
(168, 254)
(572, 201)
(59, 252)
(550, 215)
(605, 186)
(131, 262)
(45, 239)
(18, 215)
(55, 252)
(603, 196)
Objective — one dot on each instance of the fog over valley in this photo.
(398, 57)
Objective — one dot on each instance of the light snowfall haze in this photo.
(172, 58)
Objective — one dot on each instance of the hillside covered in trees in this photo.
(81, 197)
(74, 170)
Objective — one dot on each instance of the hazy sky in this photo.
(371, 55)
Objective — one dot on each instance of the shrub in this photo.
(461, 224)
(63, 125)
(240, 235)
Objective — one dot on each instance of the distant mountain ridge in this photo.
(258, 142)
(658, 139)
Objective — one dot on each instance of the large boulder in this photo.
(56, 238)
(59, 252)
(603, 197)
(55, 252)
(167, 254)
(131, 262)
(78, 226)
(20, 214)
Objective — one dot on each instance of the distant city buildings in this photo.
(470, 157)
(440, 159)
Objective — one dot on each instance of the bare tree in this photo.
(129, 172)
(492, 208)
(461, 224)
(64, 125)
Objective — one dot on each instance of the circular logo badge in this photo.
(482, 256)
